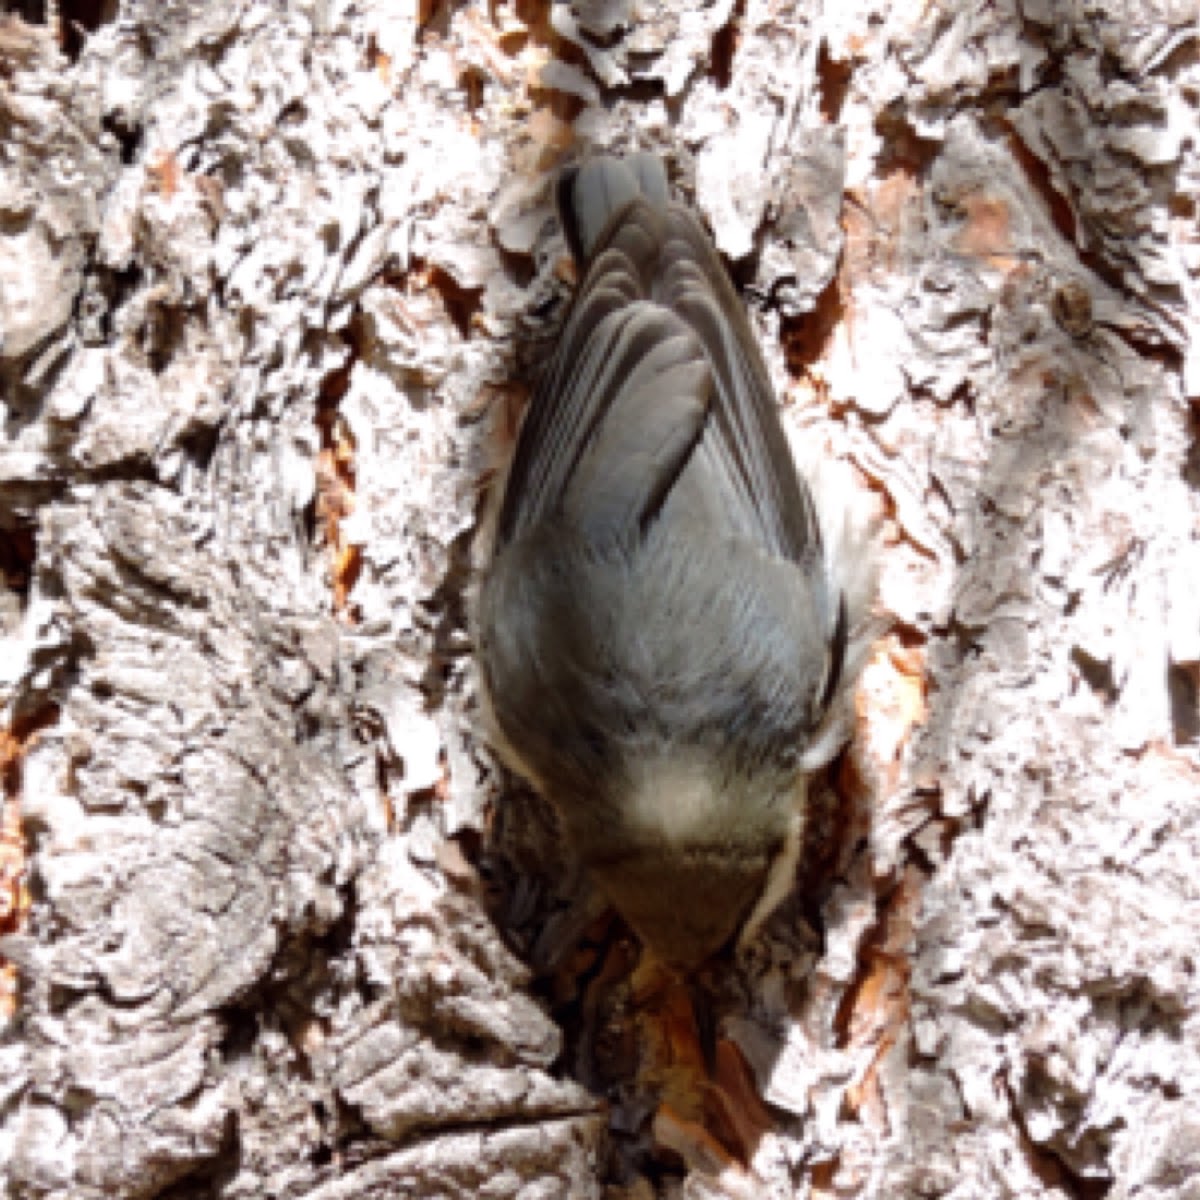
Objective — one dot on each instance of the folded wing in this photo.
(656, 403)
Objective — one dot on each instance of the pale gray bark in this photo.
(240, 241)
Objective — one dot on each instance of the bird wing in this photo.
(656, 398)
(745, 454)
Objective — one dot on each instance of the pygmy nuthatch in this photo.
(671, 622)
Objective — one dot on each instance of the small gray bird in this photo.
(665, 637)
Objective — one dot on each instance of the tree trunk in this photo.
(273, 280)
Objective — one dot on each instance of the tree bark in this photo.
(273, 280)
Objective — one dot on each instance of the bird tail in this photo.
(592, 194)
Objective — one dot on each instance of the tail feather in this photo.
(591, 195)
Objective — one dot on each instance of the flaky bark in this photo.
(271, 278)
